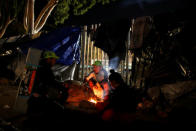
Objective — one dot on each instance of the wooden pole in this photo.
(127, 57)
(106, 61)
(87, 57)
(97, 53)
(97, 49)
(137, 71)
(83, 50)
(119, 67)
(91, 52)
(123, 67)
(82, 53)
(91, 47)
(86, 52)
(101, 56)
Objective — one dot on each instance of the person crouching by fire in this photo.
(121, 99)
(100, 76)
(97, 89)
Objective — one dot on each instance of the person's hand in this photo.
(85, 80)
(140, 106)
(36, 95)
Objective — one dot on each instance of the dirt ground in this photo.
(8, 93)
(78, 116)
(73, 114)
(7, 97)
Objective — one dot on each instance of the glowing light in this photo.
(92, 100)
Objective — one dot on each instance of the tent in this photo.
(64, 42)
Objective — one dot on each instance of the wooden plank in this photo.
(86, 49)
(91, 52)
(88, 55)
(98, 54)
(83, 50)
(127, 57)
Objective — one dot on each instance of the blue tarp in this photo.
(65, 42)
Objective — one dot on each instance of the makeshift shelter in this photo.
(65, 42)
(141, 61)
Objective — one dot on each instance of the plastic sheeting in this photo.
(63, 72)
(64, 42)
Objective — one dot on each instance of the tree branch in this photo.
(31, 16)
(50, 5)
(44, 19)
(25, 18)
(2, 31)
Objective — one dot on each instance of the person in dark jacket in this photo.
(46, 88)
(120, 100)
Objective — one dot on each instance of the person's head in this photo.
(115, 79)
(50, 57)
(97, 67)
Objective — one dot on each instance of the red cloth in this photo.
(31, 81)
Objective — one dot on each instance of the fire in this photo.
(92, 100)
(98, 95)
(98, 92)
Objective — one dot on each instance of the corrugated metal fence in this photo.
(90, 53)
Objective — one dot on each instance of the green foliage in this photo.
(82, 6)
(15, 9)
(104, 1)
(62, 11)
(75, 7)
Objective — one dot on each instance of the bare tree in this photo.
(10, 10)
(31, 25)
(5, 17)
(4, 26)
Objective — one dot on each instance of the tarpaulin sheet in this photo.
(64, 42)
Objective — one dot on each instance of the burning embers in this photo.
(95, 100)
(92, 100)
(98, 95)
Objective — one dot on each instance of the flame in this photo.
(98, 92)
(92, 100)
